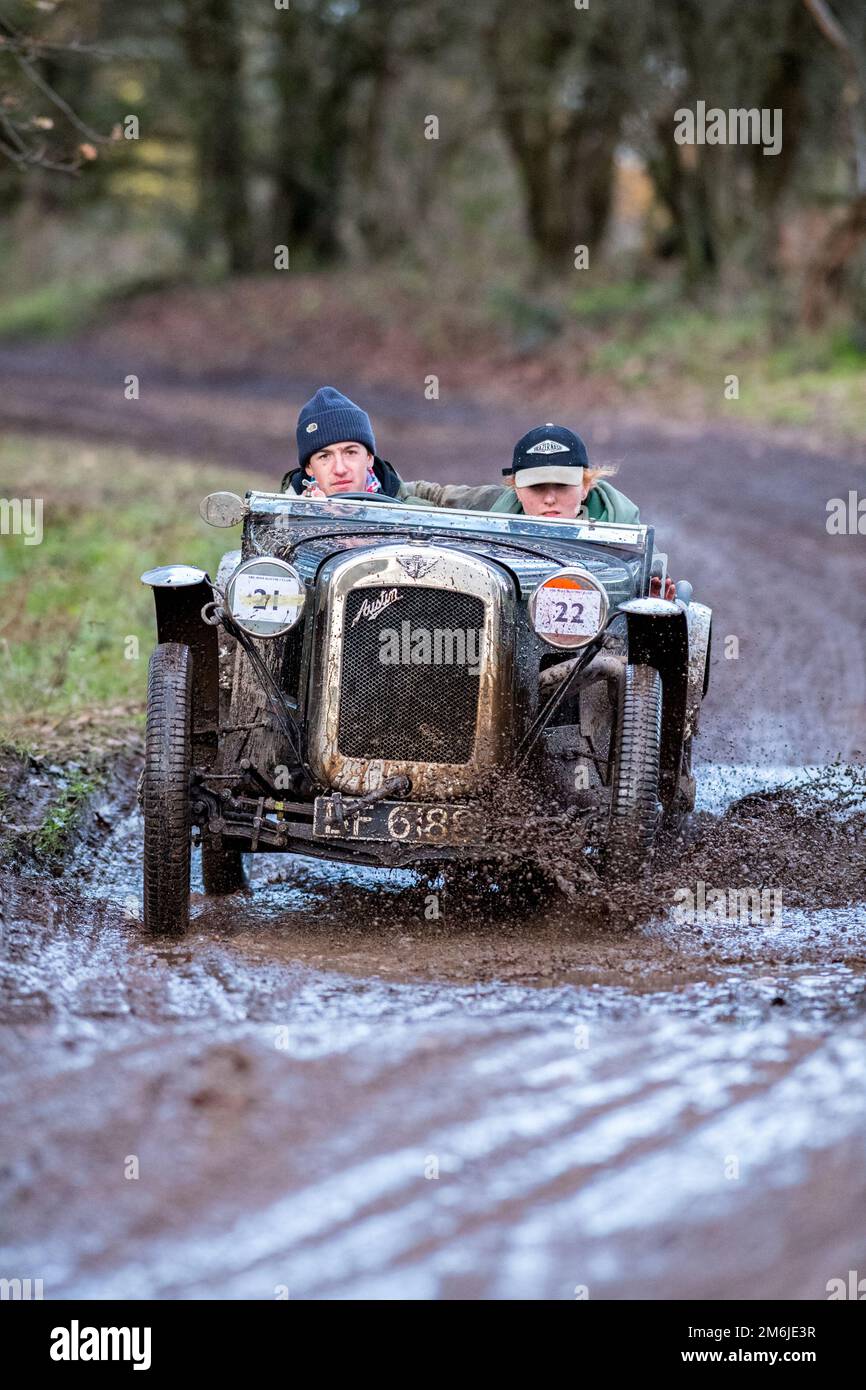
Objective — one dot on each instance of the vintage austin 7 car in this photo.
(363, 677)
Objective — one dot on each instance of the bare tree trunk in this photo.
(294, 201)
(851, 60)
(783, 91)
(680, 181)
(212, 39)
(313, 77)
(825, 280)
(564, 157)
(374, 224)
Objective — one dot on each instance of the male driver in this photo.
(337, 453)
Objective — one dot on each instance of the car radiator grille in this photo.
(408, 713)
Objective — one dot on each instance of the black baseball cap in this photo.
(549, 454)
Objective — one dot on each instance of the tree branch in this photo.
(831, 28)
(854, 98)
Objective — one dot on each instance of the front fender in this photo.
(700, 640)
(180, 592)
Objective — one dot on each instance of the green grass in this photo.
(52, 837)
(609, 301)
(66, 306)
(17, 744)
(667, 353)
(52, 310)
(76, 625)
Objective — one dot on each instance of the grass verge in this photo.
(63, 307)
(725, 359)
(76, 626)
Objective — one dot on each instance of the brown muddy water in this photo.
(327, 1092)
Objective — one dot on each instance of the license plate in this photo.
(406, 822)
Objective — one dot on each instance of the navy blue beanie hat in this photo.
(329, 418)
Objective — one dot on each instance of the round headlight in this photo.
(569, 608)
(265, 597)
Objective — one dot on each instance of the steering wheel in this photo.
(364, 497)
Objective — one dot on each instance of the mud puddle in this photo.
(773, 875)
(323, 1091)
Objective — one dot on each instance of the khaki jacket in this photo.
(603, 502)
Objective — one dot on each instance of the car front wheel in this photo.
(635, 806)
(165, 790)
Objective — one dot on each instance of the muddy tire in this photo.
(635, 807)
(222, 870)
(165, 790)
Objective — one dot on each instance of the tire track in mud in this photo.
(283, 1096)
(557, 1167)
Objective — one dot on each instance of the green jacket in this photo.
(603, 502)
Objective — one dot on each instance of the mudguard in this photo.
(180, 592)
(700, 620)
(658, 635)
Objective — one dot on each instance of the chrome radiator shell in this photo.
(430, 568)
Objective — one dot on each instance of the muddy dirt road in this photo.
(322, 1093)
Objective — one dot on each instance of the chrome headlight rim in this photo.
(267, 566)
(580, 579)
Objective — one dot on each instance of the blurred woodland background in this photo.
(430, 169)
(233, 203)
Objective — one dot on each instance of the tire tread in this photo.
(165, 790)
(635, 811)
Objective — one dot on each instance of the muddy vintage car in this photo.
(362, 676)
